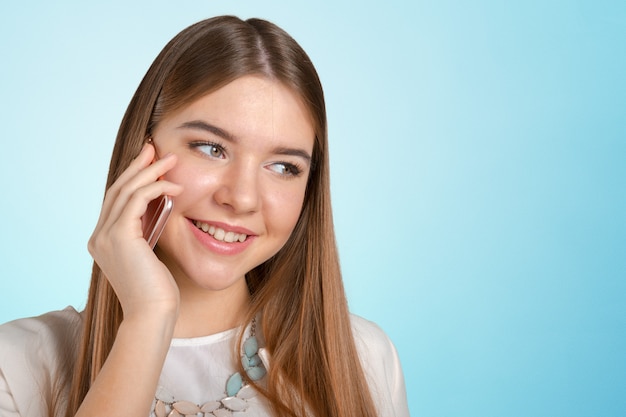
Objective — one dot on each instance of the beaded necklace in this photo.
(237, 391)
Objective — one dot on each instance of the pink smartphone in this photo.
(156, 216)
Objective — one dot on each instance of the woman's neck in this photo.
(204, 312)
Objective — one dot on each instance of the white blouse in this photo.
(30, 352)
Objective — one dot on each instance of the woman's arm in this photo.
(127, 382)
(34, 355)
(382, 368)
(146, 289)
(8, 408)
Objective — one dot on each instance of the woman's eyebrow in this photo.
(293, 152)
(201, 125)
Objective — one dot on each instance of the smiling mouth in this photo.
(219, 233)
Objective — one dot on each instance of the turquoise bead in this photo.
(245, 362)
(254, 361)
(234, 384)
(256, 372)
(251, 347)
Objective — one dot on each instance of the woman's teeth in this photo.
(220, 234)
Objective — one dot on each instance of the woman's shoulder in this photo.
(32, 353)
(370, 337)
(36, 341)
(46, 329)
(381, 365)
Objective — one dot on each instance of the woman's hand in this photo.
(141, 281)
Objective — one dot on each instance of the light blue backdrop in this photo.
(479, 178)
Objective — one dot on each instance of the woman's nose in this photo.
(239, 188)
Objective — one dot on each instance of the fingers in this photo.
(145, 157)
(126, 200)
(142, 160)
(143, 187)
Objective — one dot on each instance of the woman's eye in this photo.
(285, 169)
(214, 150)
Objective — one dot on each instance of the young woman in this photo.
(240, 308)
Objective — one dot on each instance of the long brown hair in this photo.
(315, 368)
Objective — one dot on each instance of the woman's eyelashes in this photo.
(285, 169)
(212, 149)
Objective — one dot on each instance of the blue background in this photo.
(478, 166)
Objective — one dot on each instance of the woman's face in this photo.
(244, 154)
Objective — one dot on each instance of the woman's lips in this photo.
(220, 238)
(220, 234)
